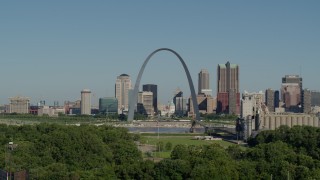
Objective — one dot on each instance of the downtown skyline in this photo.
(52, 50)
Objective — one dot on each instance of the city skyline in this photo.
(52, 50)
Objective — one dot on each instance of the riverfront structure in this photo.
(273, 121)
(122, 87)
(228, 95)
(86, 102)
(19, 105)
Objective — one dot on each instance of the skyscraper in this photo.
(276, 99)
(291, 93)
(154, 89)
(306, 101)
(228, 95)
(203, 80)
(86, 101)
(122, 87)
(315, 98)
(270, 99)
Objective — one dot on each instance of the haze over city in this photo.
(52, 50)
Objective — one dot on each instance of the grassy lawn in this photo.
(175, 140)
(187, 140)
(172, 134)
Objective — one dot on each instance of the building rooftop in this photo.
(291, 76)
(231, 65)
(86, 91)
(16, 98)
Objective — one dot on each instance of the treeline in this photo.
(62, 117)
(90, 152)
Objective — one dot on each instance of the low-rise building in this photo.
(206, 104)
(19, 105)
(51, 111)
(145, 103)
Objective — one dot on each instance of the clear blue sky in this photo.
(52, 50)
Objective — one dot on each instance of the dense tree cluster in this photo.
(62, 152)
(90, 152)
(63, 118)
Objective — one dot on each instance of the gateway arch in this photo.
(133, 97)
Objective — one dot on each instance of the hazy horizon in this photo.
(52, 50)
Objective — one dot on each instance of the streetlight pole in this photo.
(107, 114)
(158, 125)
(10, 148)
(158, 133)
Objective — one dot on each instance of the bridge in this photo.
(216, 127)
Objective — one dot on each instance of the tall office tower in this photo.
(154, 89)
(228, 95)
(145, 103)
(270, 99)
(108, 105)
(19, 105)
(306, 101)
(315, 98)
(122, 87)
(86, 101)
(291, 93)
(203, 80)
(276, 99)
(179, 102)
